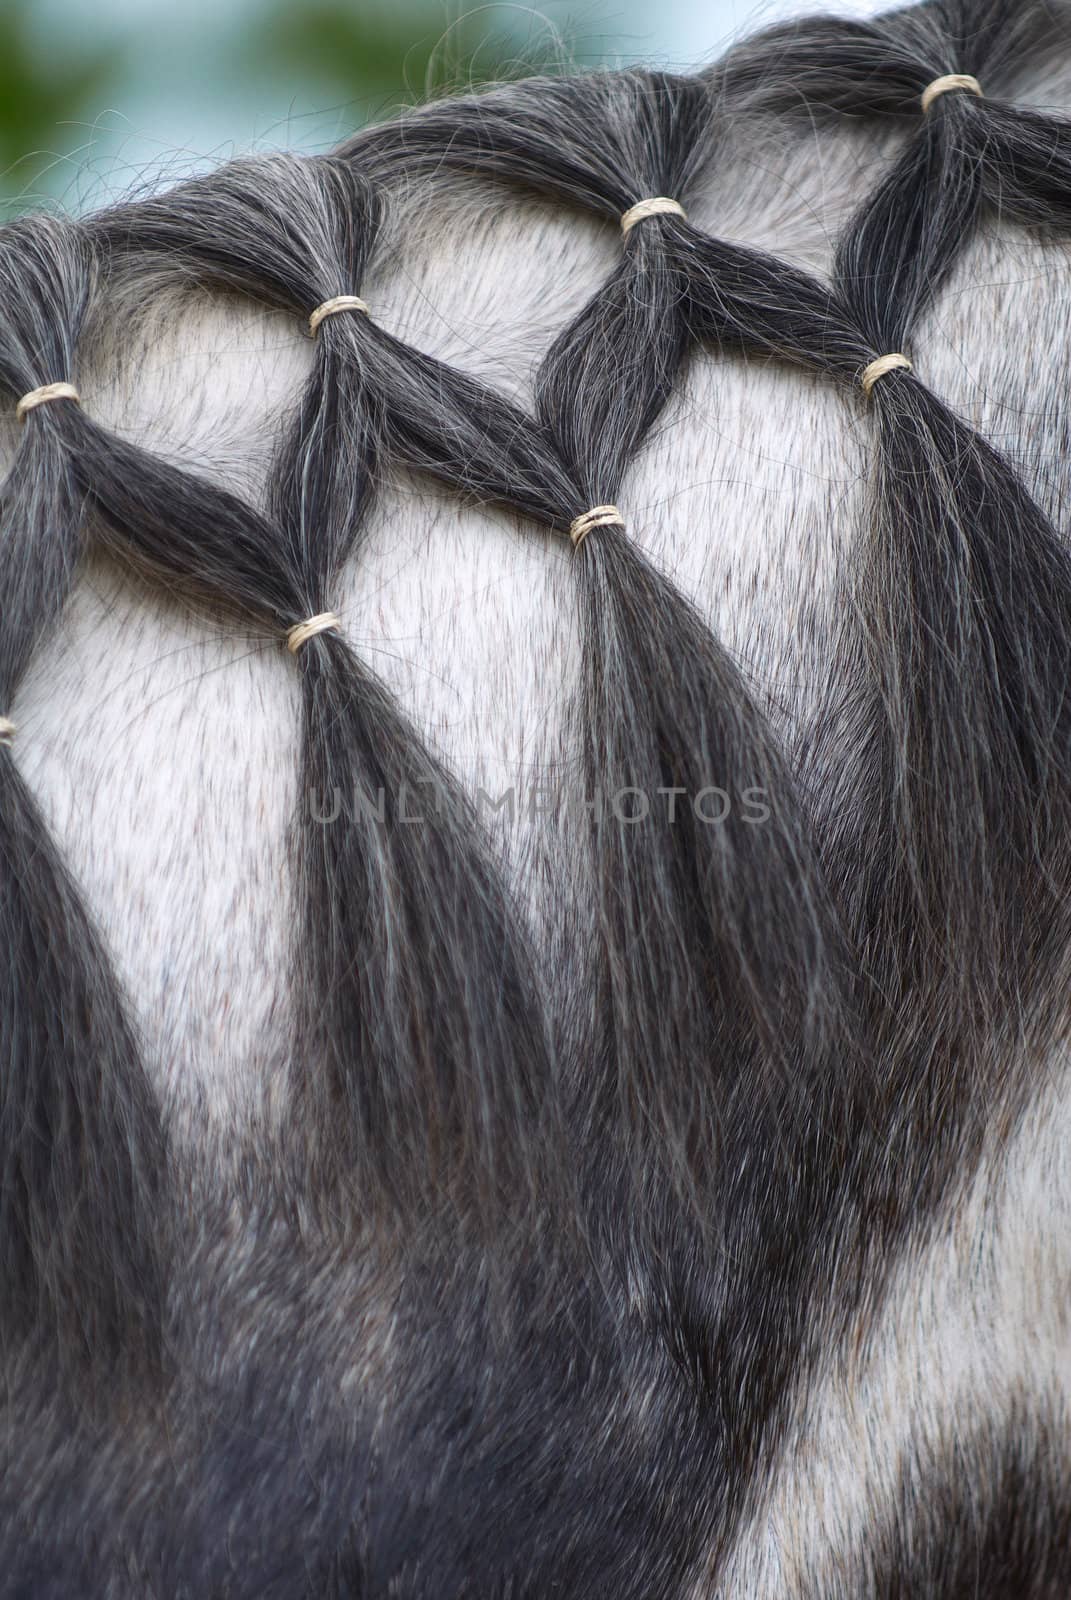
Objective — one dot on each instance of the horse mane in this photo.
(497, 1215)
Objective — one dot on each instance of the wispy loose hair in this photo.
(586, 1251)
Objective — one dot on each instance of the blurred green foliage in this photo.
(41, 92)
(382, 54)
(65, 90)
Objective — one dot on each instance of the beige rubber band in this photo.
(302, 632)
(597, 517)
(877, 369)
(7, 728)
(657, 206)
(331, 308)
(945, 85)
(40, 397)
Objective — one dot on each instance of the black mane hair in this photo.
(611, 1236)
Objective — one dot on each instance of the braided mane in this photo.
(524, 1279)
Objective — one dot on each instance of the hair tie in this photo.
(597, 517)
(877, 369)
(40, 397)
(302, 632)
(655, 207)
(331, 308)
(952, 80)
(7, 728)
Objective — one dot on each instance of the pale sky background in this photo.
(177, 111)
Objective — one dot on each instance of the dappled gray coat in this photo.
(532, 1042)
